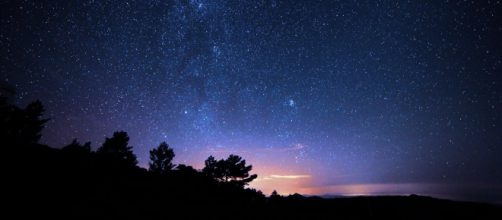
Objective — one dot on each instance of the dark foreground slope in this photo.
(381, 207)
(46, 182)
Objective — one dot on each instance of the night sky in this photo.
(322, 97)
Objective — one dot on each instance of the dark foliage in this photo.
(18, 126)
(76, 148)
(161, 159)
(232, 170)
(274, 195)
(116, 149)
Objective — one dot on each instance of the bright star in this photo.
(291, 103)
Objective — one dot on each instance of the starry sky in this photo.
(322, 97)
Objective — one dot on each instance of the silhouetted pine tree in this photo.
(161, 159)
(21, 127)
(231, 170)
(116, 149)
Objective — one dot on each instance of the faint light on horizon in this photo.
(375, 189)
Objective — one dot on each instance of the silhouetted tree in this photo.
(7, 91)
(77, 148)
(116, 148)
(21, 126)
(237, 171)
(231, 170)
(275, 197)
(34, 125)
(187, 170)
(212, 168)
(6, 120)
(78, 159)
(274, 194)
(161, 159)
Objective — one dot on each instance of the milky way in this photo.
(320, 96)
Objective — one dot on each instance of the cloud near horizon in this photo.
(285, 177)
(274, 176)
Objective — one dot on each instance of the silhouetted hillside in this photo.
(75, 182)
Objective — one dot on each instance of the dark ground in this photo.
(56, 184)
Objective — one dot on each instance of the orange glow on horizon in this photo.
(286, 177)
(283, 181)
